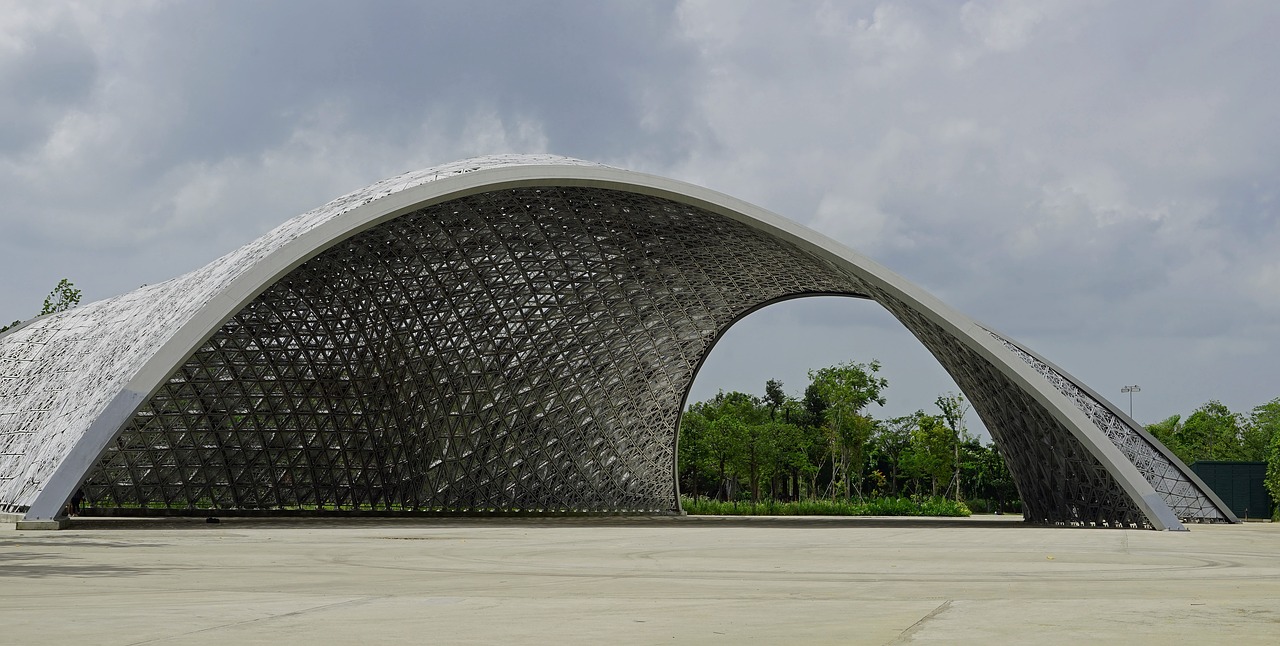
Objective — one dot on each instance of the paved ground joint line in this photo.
(250, 621)
(906, 634)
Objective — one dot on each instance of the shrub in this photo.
(868, 507)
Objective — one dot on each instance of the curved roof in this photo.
(69, 381)
(60, 373)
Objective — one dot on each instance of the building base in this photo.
(44, 523)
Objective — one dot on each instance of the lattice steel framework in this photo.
(526, 349)
(1166, 474)
(495, 335)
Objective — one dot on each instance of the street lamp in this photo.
(1131, 390)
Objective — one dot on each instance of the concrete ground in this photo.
(692, 580)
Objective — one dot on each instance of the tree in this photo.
(63, 297)
(846, 389)
(1263, 425)
(783, 448)
(891, 442)
(730, 416)
(757, 453)
(814, 406)
(1212, 432)
(1168, 432)
(693, 446)
(791, 451)
(932, 451)
(774, 397)
(724, 441)
(1273, 472)
(954, 407)
(991, 478)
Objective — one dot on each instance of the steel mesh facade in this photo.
(518, 350)
(70, 380)
(503, 334)
(1168, 479)
(1058, 479)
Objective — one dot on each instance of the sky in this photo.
(1098, 180)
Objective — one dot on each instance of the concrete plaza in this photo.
(699, 580)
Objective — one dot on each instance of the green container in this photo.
(1239, 485)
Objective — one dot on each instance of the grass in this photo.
(868, 507)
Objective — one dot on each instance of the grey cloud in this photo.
(45, 74)
(194, 103)
(1098, 172)
(244, 71)
(1088, 176)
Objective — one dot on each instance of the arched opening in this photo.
(784, 341)
(787, 339)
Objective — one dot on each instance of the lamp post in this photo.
(1131, 390)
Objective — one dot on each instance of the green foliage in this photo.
(693, 451)
(1270, 415)
(1167, 432)
(1261, 429)
(868, 507)
(758, 453)
(845, 389)
(931, 451)
(988, 477)
(743, 449)
(889, 447)
(63, 297)
(943, 507)
(780, 455)
(814, 406)
(991, 506)
(1212, 432)
(953, 408)
(720, 437)
(848, 387)
(774, 397)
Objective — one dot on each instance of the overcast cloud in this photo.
(1096, 179)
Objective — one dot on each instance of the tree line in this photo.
(1214, 432)
(825, 444)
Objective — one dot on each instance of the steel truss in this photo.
(526, 348)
